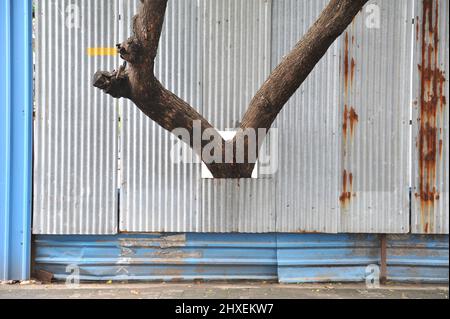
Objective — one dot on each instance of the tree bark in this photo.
(136, 81)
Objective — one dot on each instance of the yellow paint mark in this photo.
(102, 51)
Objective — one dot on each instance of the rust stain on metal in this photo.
(383, 259)
(346, 63)
(170, 241)
(350, 120)
(432, 104)
(176, 254)
(302, 231)
(349, 64)
(352, 70)
(347, 186)
(175, 273)
(345, 122)
(353, 119)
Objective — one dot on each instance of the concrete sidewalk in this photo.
(220, 291)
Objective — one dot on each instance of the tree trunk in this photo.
(136, 81)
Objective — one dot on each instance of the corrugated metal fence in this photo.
(288, 258)
(375, 109)
(431, 153)
(168, 198)
(308, 177)
(350, 120)
(75, 158)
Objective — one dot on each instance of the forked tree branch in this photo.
(138, 83)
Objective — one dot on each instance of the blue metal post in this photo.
(16, 111)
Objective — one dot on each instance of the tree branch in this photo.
(289, 75)
(149, 95)
(138, 82)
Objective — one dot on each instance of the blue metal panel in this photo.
(326, 258)
(417, 258)
(289, 258)
(15, 138)
(159, 257)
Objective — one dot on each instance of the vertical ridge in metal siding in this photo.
(430, 144)
(308, 173)
(236, 55)
(374, 120)
(156, 193)
(75, 124)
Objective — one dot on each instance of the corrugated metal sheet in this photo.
(430, 200)
(246, 205)
(236, 55)
(215, 55)
(16, 113)
(290, 258)
(351, 168)
(416, 258)
(75, 158)
(156, 193)
(326, 258)
(375, 110)
(307, 199)
(309, 128)
(160, 257)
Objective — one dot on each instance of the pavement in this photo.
(33, 290)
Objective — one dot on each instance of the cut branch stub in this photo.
(131, 50)
(113, 83)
